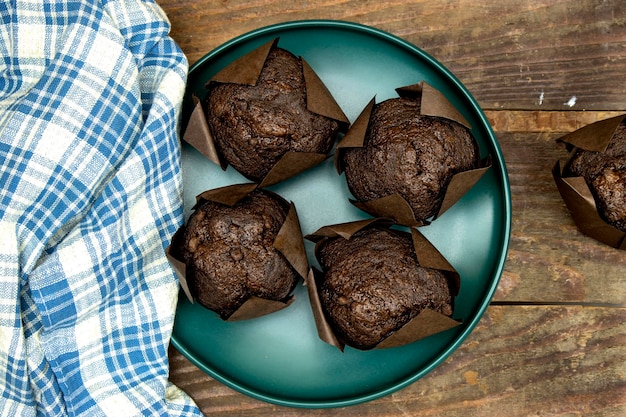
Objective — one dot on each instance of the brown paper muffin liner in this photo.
(394, 206)
(425, 324)
(289, 241)
(575, 191)
(246, 70)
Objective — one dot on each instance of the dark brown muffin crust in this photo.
(230, 255)
(413, 155)
(254, 126)
(605, 175)
(373, 285)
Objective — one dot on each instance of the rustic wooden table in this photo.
(553, 341)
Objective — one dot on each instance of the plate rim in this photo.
(506, 218)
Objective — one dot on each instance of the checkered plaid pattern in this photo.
(90, 193)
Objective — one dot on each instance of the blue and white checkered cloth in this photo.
(90, 194)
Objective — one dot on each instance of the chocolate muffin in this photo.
(254, 126)
(373, 285)
(230, 256)
(410, 154)
(605, 175)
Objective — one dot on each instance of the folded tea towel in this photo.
(90, 193)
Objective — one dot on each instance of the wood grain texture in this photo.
(549, 260)
(532, 55)
(535, 121)
(519, 361)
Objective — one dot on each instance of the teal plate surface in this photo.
(279, 358)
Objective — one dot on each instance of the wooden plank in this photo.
(519, 361)
(549, 259)
(531, 55)
(533, 121)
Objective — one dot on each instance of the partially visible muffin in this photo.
(254, 126)
(372, 285)
(605, 175)
(410, 154)
(230, 256)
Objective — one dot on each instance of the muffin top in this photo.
(230, 255)
(373, 285)
(605, 175)
(254, 126)
(410, 154)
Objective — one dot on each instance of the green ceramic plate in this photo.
(279, 358)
